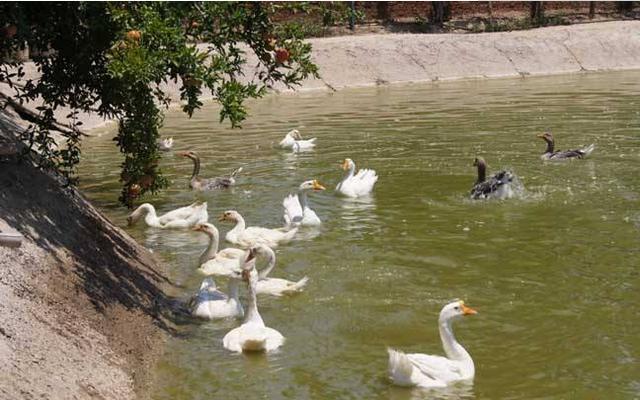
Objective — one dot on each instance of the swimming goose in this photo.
(212, 261)
(253, 334)
(360, 184)
(497, 186)
(550, 154)
(183, 217)
(165, 144)
(254, 235)
(211, 303)
(273, 286)
(293, 140)
(296, 207)
(197, 183)
(428, 371)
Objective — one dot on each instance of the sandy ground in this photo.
(80, 301)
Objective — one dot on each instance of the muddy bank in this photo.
(80, 300)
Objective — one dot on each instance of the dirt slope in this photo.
(79, 300)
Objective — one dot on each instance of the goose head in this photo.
(189, 154)
(479, 161)
(166, 143)
(348, 164)
(230, 216)
(248, 270)
(455, 310)
(138, 213)
(312, 185)
(290, 137)
(207, 228)
(546, 136)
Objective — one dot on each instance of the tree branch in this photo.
(31, 116)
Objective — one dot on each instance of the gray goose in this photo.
(203, 184)
(550, 154)
(497, 186)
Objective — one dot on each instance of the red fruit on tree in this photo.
(282, 55)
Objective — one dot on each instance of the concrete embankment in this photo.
(401, 58)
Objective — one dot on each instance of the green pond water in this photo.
(553, 273)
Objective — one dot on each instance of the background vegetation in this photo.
(114, 59)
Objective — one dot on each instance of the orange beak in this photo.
(345, 165)
(317, 185)
(541, 136)
(222, 218)
(467, 310)
(197, 228)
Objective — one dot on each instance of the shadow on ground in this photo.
(110, 267)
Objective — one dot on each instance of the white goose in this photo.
(293, 140)
(427, 371)
(252, 335)
(212, 261)
(356, 185)
(184, 217)
(274, 286)
(211, 303)
(165, 144)
(254, 235)
(296, 206)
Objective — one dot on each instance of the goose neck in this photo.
(349, 174)
(482, 172)
(302, 195)
(196, 167)
(550, 146)
(271, 257)
(452, 348)
(151, 218)
(253, 316)
(212, 248)
(240, 225)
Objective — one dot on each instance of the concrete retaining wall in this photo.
(393, 58)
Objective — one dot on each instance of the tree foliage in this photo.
(116, 60)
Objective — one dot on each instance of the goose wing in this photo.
(436, 367)
(484, 189)
(181, 213)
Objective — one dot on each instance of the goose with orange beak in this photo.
(180, 218)
(293, 140)
(212, 261)
(551, 154)
(356, 185)
(296, 206)
(253, 335)
(427, 371)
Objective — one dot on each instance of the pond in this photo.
(553, 273)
